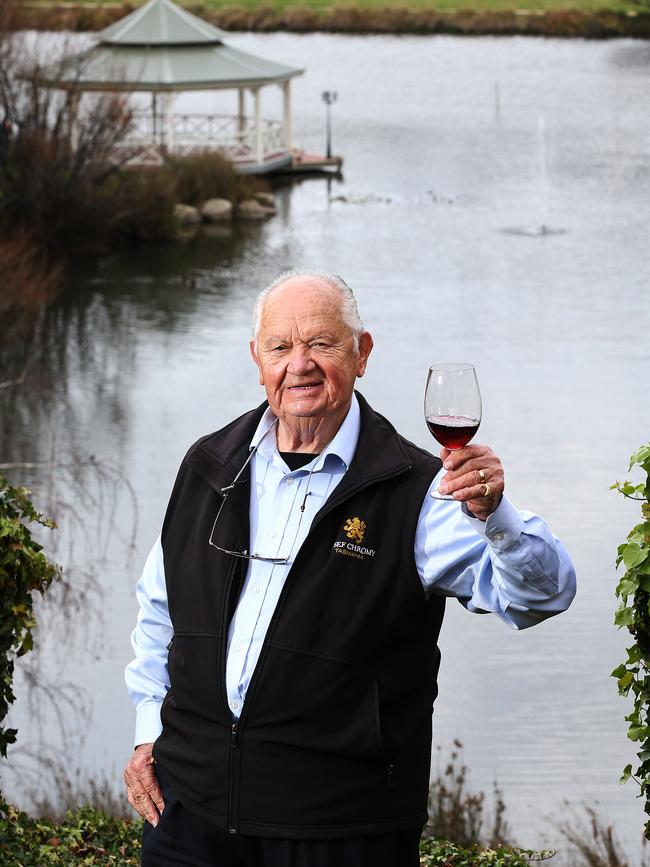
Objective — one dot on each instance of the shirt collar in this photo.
(342, 446)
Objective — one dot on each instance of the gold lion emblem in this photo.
(355, 529)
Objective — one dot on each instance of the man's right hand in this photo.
(142, 788)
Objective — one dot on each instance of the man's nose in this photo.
(301, 361)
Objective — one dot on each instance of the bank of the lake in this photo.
(586, 19)
(91, 838)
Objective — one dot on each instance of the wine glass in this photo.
(452, 406)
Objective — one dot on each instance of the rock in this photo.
(217, 211)
(217, 231)
(265, 199)
(186, 215)
(250, 209)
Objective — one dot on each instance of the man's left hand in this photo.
(475, 477)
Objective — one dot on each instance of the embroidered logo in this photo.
(355, 529)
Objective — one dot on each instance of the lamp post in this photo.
(329, 97)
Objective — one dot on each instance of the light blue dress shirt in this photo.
(511, 565)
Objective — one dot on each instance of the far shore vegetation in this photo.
(590, 19)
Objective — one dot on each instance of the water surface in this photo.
(447, 142)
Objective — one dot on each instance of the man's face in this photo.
(307, 357)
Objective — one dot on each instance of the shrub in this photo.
(30, 279)
(209, 175)
(633, 592)
(24, 570)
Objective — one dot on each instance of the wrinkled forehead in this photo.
(303, 304)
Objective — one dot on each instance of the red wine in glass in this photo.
(452, 406)
(452, 431)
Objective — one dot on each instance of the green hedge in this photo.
(89, 837)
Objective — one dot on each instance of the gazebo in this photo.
(163, 50)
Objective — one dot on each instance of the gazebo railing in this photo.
(183, 133)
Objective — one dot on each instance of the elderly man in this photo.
(286, 654)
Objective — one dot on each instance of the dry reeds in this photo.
(30, 279)
(568, 23)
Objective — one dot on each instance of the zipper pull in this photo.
(390, 768)
(234, 736)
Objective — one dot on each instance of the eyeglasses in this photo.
(244, 555)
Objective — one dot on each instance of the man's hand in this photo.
(142, 787)
(472, 473)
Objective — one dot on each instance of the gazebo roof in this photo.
(161, 22)
(161, 47)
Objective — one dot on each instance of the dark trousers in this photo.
(182, 838)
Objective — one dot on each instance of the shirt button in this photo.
(498, 537)
(239, 648)
(234, 705)
(274, 534)
(256, 589)
(290, 481)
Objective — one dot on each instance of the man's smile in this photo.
(304, 387)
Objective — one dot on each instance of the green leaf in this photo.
(627, 773)
(624, 617)
(625, 682)
(634, 554)
(640, 456)
(627, 585)
(619, 671)
(634, 654)
(637, 733)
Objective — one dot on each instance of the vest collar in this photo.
(379, 454)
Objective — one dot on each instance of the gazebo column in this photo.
(259, 149)
(73, 119)
(168, 121)
(241, 112)
(154, 118)
(288, 129)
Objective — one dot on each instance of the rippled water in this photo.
(447, 143)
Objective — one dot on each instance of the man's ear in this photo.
(365, 348)
(256, 359)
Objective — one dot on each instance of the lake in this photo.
(449, 145)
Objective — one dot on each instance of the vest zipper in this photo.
(233, 774)
(232, 793)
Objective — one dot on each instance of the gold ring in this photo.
(488, 490)
(481, 476)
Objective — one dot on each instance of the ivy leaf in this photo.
(625, 682)
(627, 773)
(627, 585)
(640, 456)
(619, 671)
(624, 617)
(633, 554)
(634, 654)
(637, 733)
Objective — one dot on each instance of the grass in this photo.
(324, 6)
(590, 19)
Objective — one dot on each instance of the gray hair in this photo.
(349, 310)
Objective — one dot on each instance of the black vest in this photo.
(334, 738)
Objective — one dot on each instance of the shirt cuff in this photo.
(502, 528)
(147, 722)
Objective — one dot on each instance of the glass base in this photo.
(438, 496)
